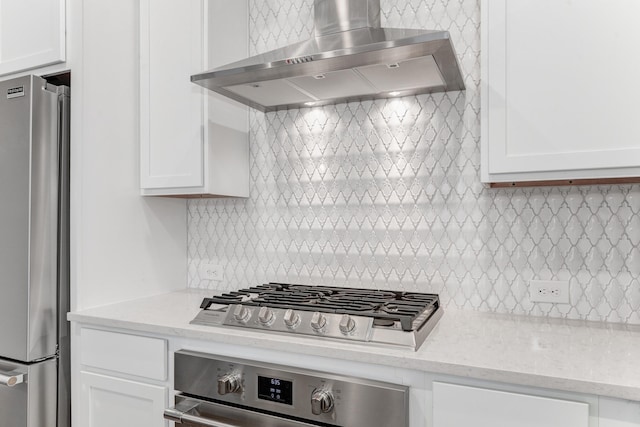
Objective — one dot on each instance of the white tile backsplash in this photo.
(386, 194)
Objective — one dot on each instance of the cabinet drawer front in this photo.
(128, 354)
(458, 406)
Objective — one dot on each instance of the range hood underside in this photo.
(392, 62)
(353, 83)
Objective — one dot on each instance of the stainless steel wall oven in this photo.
(215, 391)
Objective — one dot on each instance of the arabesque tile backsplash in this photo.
(386, 194)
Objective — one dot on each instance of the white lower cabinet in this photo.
(124, 379)
(108, 401)
(462, 406)
(120, 379)
(619, 413)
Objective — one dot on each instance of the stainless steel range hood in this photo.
(350, 58)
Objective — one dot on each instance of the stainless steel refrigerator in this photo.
(34, 253)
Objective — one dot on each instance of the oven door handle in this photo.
(200, 413)
(180, 417)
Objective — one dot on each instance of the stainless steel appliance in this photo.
(363, 315)
(34, 253)
(349, 58)
(226, 392)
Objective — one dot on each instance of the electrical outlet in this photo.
(553, 291)
(211, 271)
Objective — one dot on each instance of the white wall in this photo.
(124, 246)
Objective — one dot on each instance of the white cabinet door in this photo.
(188, 147)
(462, 406)
(172, 108)
(559, 89)
(619, 413)
(107, 402)
(32, 34)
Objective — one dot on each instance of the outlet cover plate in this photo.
(553, 291)
(211, 271)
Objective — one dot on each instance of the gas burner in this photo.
(403, 318)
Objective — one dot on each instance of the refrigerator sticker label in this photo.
(15, 92)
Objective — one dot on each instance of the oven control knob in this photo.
(318, 321)
(242, 314)
(291, 319)
(265, 316)
(347, 324)
(321, 402)
(229, 383)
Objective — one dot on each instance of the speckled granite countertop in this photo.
(585, 357)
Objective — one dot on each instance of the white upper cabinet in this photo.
(560, 90)
(32, 34)
(191, 143)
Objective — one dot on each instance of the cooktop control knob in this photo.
(321, 402)
(229, 383)
(242, 314)
(318, 321)
(265, 316)
(347, 324)
(291, 319)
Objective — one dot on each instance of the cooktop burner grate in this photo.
(385, 307)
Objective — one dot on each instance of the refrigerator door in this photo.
(28, 394)
(28, 219)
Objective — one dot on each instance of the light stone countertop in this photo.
(585, 357)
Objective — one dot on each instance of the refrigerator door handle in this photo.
(10, 379)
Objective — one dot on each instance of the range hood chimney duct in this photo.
(350, 58)
(335, 16)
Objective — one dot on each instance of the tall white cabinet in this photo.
(192, 143)
(560, 90)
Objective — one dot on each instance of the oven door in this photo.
(200, 413)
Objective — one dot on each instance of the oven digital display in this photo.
(275, 390)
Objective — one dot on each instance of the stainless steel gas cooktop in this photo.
(364, 315)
